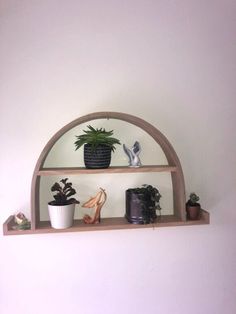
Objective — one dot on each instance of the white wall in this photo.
(169, 62)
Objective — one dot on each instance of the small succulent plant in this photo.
(63, 194)
(193, 199)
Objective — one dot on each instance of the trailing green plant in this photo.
(152, 204)
(96, 137)
(193, 200)
(63, 193)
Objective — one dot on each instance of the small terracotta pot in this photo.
(193, 212)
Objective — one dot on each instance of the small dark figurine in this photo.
(63, 193)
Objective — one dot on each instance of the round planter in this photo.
(193, 212)
(99, 158)
(137, 208)
(62, 216)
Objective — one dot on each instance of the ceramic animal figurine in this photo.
(95, 202)
(133, 154)
(22, 223)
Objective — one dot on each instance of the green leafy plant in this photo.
(63, 194)
(96, 137)
(193, 199)
(152, 202)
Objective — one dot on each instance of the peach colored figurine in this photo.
(95, 202)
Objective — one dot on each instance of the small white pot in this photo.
(62, 216)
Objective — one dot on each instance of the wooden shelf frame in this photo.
(171, 156)
(173, 167)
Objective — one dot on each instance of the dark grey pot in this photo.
(138, 208)
(100, 158)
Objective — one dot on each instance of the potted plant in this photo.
(62, 208)
(141, 204)
(98, 145)
(193, 208)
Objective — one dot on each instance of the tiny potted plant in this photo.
(62, 208)
(98, 145)
(141, 204)
(193, 208)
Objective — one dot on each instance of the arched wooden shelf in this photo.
(173, 167)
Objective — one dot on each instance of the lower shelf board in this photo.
(105, 224)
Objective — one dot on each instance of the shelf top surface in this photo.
(113, 169)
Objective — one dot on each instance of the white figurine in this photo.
(133, 154)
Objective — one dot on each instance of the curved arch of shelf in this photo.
(174, 166)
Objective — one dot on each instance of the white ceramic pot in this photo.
(62, 216)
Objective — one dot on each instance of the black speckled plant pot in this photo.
(137, 211)
(100, 158)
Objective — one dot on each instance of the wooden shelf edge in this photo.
(112, 169)
(8, 224)
(106, 224)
